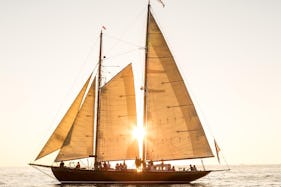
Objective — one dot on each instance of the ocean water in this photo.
(262, 175)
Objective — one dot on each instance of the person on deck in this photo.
(162, 165)
(108, 165)
(117, 167)
(78, 165)
(194, 168)
(169, 167)
(61, 164)
(191, 167)
(138, 162)
(104, 166)
(150, 165)
(124, 166)
(144, 164)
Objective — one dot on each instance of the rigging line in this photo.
(44, 172)
(203, 116)
(225, 161)
(90, 51)
(85, 60)
(120, 54)
(95, 68)
(125, 41)
(72, 85)
(126, 30)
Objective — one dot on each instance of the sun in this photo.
(139, 133)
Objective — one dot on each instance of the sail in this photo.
(57, 138)
(79, 141)
(174, 130)
(117, 118)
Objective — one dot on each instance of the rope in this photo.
(120, 54)
(75, 79)
(43, 172)
(225, 161)
(126, 30)
(124, 41)
(207, 124)
(84, 62)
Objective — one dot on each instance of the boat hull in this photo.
(69, 175)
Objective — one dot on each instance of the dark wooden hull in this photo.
(68, 175)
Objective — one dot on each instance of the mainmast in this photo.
(98, 95)
(145, 83)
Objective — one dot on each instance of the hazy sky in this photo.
(228, 51)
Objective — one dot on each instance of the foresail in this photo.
(58, 137)
(79, 141)
(117, 118)
(174, 130)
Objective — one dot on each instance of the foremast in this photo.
(98, 95)
(116, 114)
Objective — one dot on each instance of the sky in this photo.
(228, 52)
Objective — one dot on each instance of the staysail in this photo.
(117, 118)
(79, 141)
(173, 130)
(57, 138)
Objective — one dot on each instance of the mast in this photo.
(98, 96)
(145, 83)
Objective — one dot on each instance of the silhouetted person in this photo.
(61, 164)
(108, 165)
(144, 164)
(194, 168)
(162, 165)
(104, 166)
(117, 167)
(124, 165)
(78, 165)
(191, 167)
(138, 162)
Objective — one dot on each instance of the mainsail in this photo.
(58, 137)
(79, 141)
(117, 118)
(173, 129)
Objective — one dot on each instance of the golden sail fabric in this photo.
(174, 130)
(117, 118)
(79, 141)
(57, 138)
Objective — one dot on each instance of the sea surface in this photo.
(244, 175)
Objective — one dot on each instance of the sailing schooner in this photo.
(101, 118)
